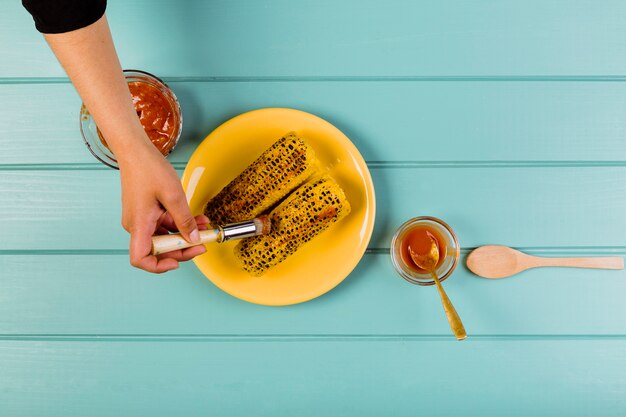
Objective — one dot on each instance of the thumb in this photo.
(185, 223)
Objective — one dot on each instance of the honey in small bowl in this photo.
(418, 239)
(415, 233)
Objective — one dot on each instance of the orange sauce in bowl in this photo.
(417, 238)
(157, 115)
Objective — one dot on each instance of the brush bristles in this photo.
(263, 225)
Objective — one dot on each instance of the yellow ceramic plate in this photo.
(322, 263)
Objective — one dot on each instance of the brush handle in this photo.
(175, 241)
(608, 262)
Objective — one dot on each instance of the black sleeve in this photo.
(59, 16)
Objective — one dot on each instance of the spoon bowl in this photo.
(494, 261)
(427, 261)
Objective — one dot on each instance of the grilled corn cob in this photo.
(280, 169)
(304, 214)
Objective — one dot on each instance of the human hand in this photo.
(153, 202)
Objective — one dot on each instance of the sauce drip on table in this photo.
(418, 239)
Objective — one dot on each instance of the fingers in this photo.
(157, 266)
(167, 222)
(150, 209)
(141, 247)
(161, 231)
(178, 209)
(202, 221)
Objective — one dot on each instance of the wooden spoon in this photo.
(501, 261)
(428, 262)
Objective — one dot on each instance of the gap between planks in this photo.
(94, 166)
(539, 250)
(284, 338)
(350, 78)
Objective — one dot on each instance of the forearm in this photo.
(89, 59)
(148, 206)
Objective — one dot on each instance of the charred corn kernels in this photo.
(280, 169)
(304, 214)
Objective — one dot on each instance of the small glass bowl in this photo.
(89, 130)
(447, 266)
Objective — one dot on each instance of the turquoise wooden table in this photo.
(516, 109)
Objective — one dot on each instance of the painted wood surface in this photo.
(98, 294)
(521, 207)
(478, 122)
(343, 377)
(346, 38)
(514, 109)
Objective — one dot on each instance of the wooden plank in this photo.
(101, 294)
(313, 378)
(549, 206)
(287, 38)
(503, 121)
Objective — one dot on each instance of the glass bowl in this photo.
(444, 270)
(92, 137)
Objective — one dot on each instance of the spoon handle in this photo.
(608, 262)
(453, 318)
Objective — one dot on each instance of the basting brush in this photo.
(174, 241)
